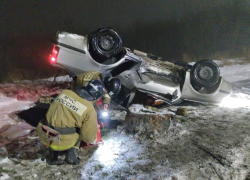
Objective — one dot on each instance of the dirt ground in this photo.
(211, 142)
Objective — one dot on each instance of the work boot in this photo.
(71, 157)
(54, 158)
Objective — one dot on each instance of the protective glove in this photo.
(105, 107)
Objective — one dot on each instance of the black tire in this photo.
(205, 73)
(105, 43)
(183, 64)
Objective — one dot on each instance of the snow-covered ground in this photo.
(18, 96)
(239, 76)
(212, 142)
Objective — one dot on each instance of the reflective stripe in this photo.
(93, 86)
(59, 148)
(89, 76)
(71, 104)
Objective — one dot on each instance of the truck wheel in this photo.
(205, 73)
(105, 43)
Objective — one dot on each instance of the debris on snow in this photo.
(117, 115)
(181, 112)
(140, 109)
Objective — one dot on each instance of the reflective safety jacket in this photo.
(84, 78)
(70, 110)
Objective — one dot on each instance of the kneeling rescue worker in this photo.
(112, 85)
(71, 119)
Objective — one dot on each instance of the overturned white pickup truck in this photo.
(162, 82)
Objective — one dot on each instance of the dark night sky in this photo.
(27, 26)
(33, 17)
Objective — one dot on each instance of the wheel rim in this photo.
(106, 43)
(205, 73)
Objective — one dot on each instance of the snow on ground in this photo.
(9, 124)
(18, 96)
(236, 72)
(239, 76)
(212, 142)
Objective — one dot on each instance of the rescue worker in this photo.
(85, 77)
(71, 110)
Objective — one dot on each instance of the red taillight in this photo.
(53, 59)
(53, 56)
